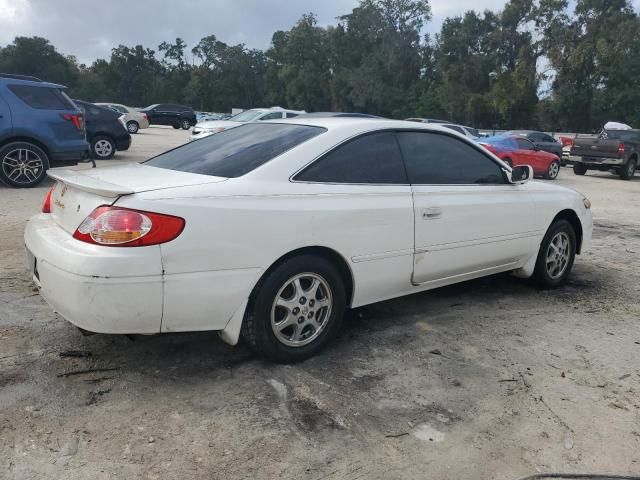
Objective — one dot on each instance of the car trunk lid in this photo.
(78, 192)
(595, 147)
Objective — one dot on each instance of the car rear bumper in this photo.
(69, 157)
(100, 289)
(614, 162)
(123, 143)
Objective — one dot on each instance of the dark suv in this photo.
(40, 127)
(178, 116)
(106, 130)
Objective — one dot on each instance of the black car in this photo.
(178, 116)
(541, 140)
(106, 133)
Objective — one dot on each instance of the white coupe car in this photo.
(209, 127)
(270, 230)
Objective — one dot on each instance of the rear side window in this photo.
(524, 144)
(374, 159)
(438, 159)
(45, 98)
(237, 151)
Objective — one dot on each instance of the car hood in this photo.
(213, 124)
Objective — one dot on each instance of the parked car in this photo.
(106, 130)
(337, 114)
(541, 140)
(40, 127)
(177, 116)
(134, 119)
(205, 129)
(518, 150)
(616, 150)
(567, 143)
(470, 132)
(426, 120)
(346, 212)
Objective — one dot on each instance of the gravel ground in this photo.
(489, 379)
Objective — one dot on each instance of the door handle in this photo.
(431, 213)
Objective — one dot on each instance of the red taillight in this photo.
(566, 141)
(121, 227)
(146, 117)
(77, 120)
(46, 204)
(621, 149)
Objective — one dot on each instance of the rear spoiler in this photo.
(75, 179)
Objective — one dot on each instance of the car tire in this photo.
(556, 255)
(103, 147)
(185, 124)
(508, 162)
(295, 310)
(133, 126)
(629, 169)
(579, 169)
(176, 127)
(23, 164)
(553, 170)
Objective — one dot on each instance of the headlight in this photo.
(586, 203)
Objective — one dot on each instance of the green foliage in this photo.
(550, 64)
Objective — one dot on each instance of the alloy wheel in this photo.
(103, 148)
(558, 255)
(301, 309)
(22, 166)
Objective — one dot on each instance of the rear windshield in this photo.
(631, 135)
(237, 151)
(46, 98)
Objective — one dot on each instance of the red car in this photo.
(516, 150)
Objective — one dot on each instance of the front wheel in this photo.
(296, 310)
(556, 256)
(177, 127)
(186, 124)
(553, 170)
(23, 164)
(103, 148)
(579, 169)
(628, 170)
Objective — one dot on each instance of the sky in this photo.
(89, 29)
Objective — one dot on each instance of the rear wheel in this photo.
(296, 310)
(629, 169)
(579, 169)
(553, 170)
(186, 124)
(132, 126)
(556, 256)
(103, 147)
(23, 164)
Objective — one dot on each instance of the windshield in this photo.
(236, 151)
(246, 116)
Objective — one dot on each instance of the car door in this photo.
(528, 152)
(548, 144)
(6, 125)
(165, 115)
(469, 221)
(359, 198)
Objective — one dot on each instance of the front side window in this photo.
(237, 151)
(291, 115)
(438, 159)
(524, 144)
(372, 159)
(272, 116)
(45, 98)
(246, 116)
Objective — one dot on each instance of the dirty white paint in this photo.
(427, 433)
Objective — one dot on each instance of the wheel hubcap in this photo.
(554, 169)
(132, 127)
(22, 166)
(558, 255)
(301, 309)
(103, 148)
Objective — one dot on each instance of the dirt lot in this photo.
(490, 379)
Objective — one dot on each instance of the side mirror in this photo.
(520, 174)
